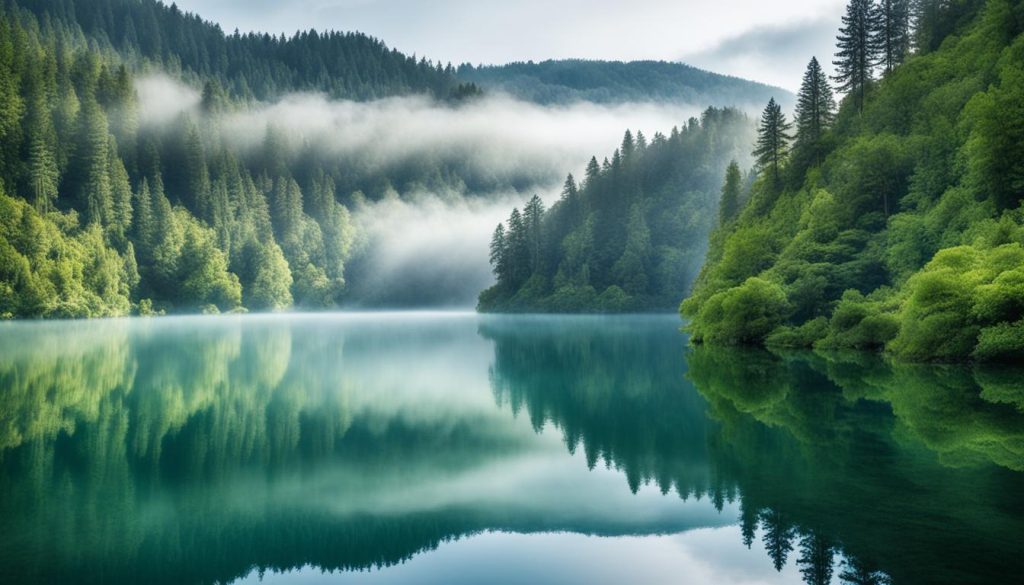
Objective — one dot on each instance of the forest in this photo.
(630, 236)
(572, 80)
(105, 213)
(895, 221)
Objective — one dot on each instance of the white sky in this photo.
(764, 41)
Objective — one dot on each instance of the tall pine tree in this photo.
(856, 53)
(729, 205)
(815, 111)
(772, 140)
(891, 34)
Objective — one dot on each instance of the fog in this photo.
(426, 250)
(419, 243)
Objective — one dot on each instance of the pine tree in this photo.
(142, 224)
(42, 171)
(815, 111)
(93, 160)
(817, 556)
(499, 255)
(120, 193)
(630, 270)
(891, 32)
(778, 537)
(772, 140)
(857, 52)
(199, 197)
(518, 250)
(533, 217)
(729, 205)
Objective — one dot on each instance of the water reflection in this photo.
(204, 450)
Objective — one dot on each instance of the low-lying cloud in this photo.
(427, 248)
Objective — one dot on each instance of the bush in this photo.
(745, 314)
(803, 336)
(1003, 342)
(962, 292)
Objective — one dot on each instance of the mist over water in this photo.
(417, 246)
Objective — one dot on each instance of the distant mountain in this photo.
(574, 80)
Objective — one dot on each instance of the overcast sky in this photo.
(765, 41)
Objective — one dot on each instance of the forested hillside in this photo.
(573, 80)
(895, 223)
(629, 237)
(103, 214)
(250, 66)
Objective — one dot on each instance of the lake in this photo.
(457, 448)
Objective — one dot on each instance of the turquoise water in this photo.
(456, 448)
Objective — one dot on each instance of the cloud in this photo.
(162, 99)
(778, 52)
(429, 247)
(496, 138)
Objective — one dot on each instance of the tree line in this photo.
(895, 220)
(251, 66)
(630, 236)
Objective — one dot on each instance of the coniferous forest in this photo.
(630, 235)
(105, 216)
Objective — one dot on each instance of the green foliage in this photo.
(174, 220)
(960, 292)
(773, 139)
(907, 236)
(745, 314)
(630, 237)
(49, 267)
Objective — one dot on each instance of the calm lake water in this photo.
(462, 449)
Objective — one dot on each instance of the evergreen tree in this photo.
(778, 537)
(772, 140)
(499, 255)
(631, 269)
(199, 196)
(815, 111)
(95, 196)
(120, 194)
(533, 217)
(43, 174)
(518, 246)
(817, 556)
(891, 32)
(857, 51)
(729, 204)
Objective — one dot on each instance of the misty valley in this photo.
(312, 307)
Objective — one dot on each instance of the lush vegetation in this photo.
(106, 214)
(567, 81)
(630, 237)
(251, 66)
(895, 223)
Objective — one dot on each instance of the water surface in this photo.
(455, 448)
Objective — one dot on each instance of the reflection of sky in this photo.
(703, 556)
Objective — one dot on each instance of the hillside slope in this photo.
(909, 236)
(573, 80)
(631, 236)
(347, 65)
